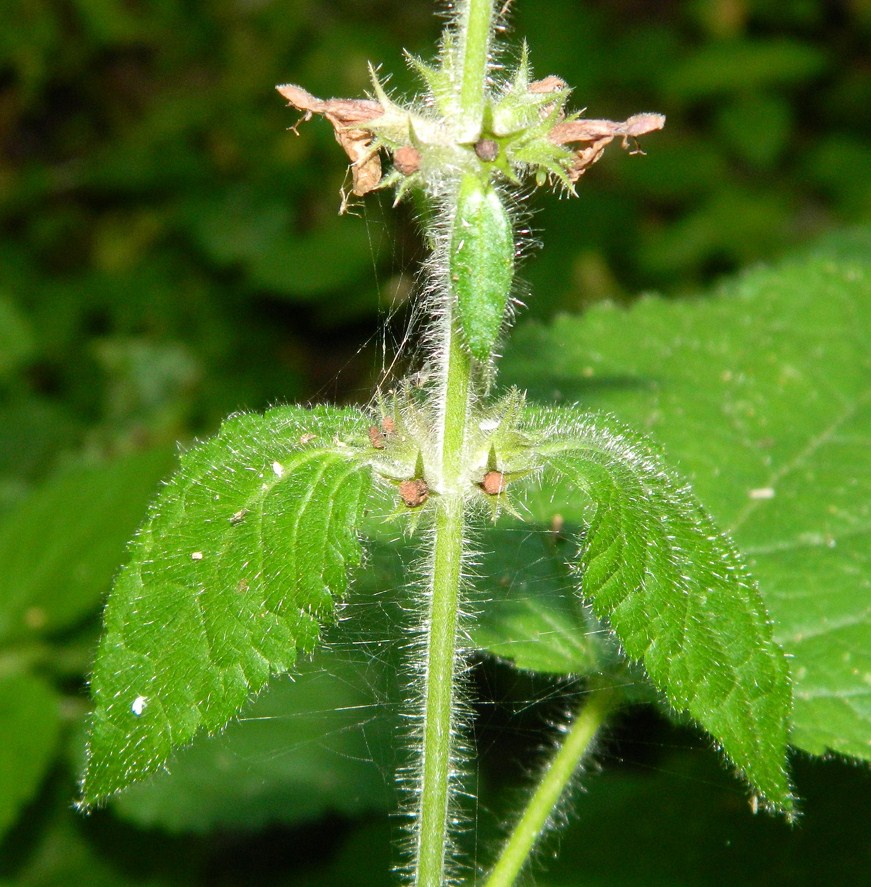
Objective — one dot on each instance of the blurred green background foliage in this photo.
(170, 253)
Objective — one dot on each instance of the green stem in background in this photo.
(600, 702)
(454, 397)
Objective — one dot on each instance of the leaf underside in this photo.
(674, 590)
(526, 609)
(240, 561)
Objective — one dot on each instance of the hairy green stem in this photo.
(455, 398)
(476, 24)
(438, 727)
(457, 382)
(441, 654)
(551, 788)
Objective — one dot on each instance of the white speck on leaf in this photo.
(762, 493)
(196, 555)
(138, 705)
(278, 468)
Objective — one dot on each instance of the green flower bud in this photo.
(481, 264)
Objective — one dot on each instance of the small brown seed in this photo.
(388, 425)
(487, 149)
(414, 492)
(406, 160)
(376, 437)
(493, 483)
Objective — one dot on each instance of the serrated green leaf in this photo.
(60, 547)
(762, 395)
(319, 744)
(240, 561)
(674, 590)
(31, 724)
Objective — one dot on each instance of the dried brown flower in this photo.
(347, 117)
(600, 134)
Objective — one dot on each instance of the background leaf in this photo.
(147, 174)
(60, 547)
(241, 558)
(664, 813)
(743, 66)
(762, 396)
(682, 823)
(31, 726)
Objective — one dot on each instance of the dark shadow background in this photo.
(170, 253)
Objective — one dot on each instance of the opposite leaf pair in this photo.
(247, 552)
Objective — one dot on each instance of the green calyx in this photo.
(404, 455)
(431, 142)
